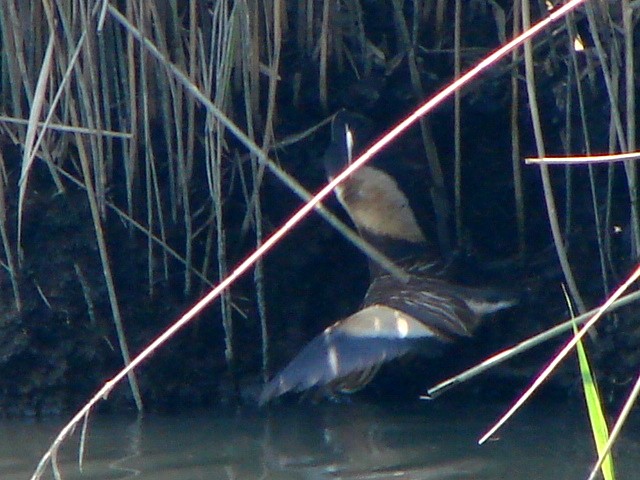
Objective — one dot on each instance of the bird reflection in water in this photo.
(364, 442)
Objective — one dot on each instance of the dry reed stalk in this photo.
(104, 256)
(566, 140)
(50, 455)
(229, 125)
(10, 91)
(518, 186)
(91, 95)
(150, 175)
(189, 132)
(629, 74)
(611, 84)
(552, 212)
(106, 89)
(566, 349)
(192, 48)
(39, 145)
(224, 34)
(630, 117)
(117, 60)
(457, 147)
(599, 227)
(571, 344)
(433, 160)
(325, 38)
(310, 19)
(257, 171)
(166, 206)
(67, 128)
(250, 71)
(129, 162)
(630, 124)
(86, 293)
(126, 219)
(291, 183)
(88, 171)
(15, 42)
(249, 60)
(254, 37)
(183, 178)
(208, 84)
(30, 136)
(441, 10)
(523, 346)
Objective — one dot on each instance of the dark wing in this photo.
(354, 348)
(434, 303)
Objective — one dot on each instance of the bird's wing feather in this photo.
(364, 340)
(429, 301)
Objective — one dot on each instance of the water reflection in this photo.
(363, 442)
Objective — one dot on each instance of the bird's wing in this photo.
(432, 302)
(366, 339)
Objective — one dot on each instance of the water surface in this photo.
(426, 440)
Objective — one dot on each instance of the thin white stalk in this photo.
(560, 356)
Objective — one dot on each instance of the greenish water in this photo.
(415, 441)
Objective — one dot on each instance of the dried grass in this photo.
(159, 94)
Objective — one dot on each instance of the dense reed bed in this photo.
(148, 147)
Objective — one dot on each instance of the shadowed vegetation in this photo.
(123, 197)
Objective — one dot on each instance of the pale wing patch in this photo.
(334, 362)
(377, 324)
(380, 321)
(484, 307)
(402, 325)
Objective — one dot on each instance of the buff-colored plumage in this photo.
(427, 312)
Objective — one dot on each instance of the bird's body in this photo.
(423, 313)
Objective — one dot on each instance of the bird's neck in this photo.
(409, 256)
